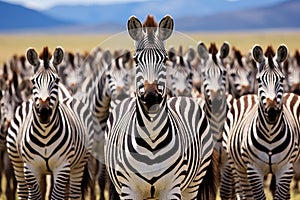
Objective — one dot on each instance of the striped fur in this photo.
(49, 135)
(156, 148)
(262, 131)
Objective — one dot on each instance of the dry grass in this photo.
(18, 43)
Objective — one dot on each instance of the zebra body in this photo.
(154, 147)
(262, 131)
(141, 159)
(49, 137)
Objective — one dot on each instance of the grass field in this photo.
(18, 43)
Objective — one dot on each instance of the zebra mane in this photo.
(71, 58)
(270, 54)
(23, 61)
(45, 56)
(297, 57)
(150, 22)
(238, 56)
(213, 50)
(150, 27)
(181, 61)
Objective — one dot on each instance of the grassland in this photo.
(18, 43)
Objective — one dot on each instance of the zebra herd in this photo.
(155, 124)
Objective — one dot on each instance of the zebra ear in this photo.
(134, 27)
(58, 56)
(166, 26)
(107, 57)
(190, 54)
(172, 54)
(224, 51)
(257, 53)
(282, 53)
(202, 51)
(126, 55)
(32, 57)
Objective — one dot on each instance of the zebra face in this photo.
(294, 74)
(213, 72)
(270, 80)
(118, 77)
(45, 82)
(181, 74)
(150, 58)
(71, 72)
(239, 75)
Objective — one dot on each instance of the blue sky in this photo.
(45, 4)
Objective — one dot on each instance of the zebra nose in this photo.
(44, 111)
(151, 96)
(184, 92)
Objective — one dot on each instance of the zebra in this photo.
(293, 73)
(214, 99)
(154, 147)
(111, 86)
(261, 133)
(239, 75)
(71, 71)
(180, 72)
(49, 135)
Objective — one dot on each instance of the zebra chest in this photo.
(44, 150)
(267, 147)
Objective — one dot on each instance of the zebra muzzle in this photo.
(272, 111)
(44, 112)
(151, 97)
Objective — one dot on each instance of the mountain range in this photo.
(191, 16)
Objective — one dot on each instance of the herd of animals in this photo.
(157, 123)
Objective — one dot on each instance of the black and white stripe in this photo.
(49, 135)
(156, 148)
(262, 131)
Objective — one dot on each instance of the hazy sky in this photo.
(44, 4)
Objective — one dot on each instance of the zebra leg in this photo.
(22, 188)
(32, 180)
(61, 179)
(175, 193)
(283, 183)
(227, 186)
(256, 180)
(113, 194)
(76, 176)
(102, 179)
(242, 182)
(11, 182)
(2, 151)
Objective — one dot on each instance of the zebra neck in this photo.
(215, 108)
(45, 129)
(263, 124)
(151, 126)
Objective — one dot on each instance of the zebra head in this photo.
(239, 75)
(150, 57)
(117, 75)
(71, 71)
(45, 81)
(181, 72)
(294, 73)
(213, 73)
(270, 79)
